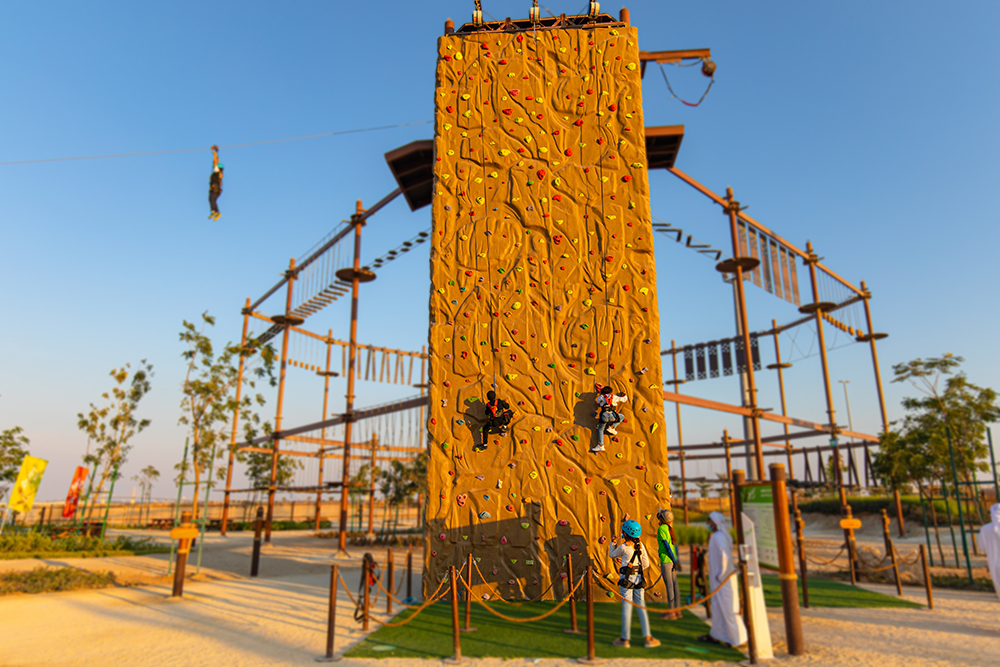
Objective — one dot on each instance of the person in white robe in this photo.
(989, 542)
(727, 625)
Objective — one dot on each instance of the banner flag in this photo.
(26, 486)
(75, 487)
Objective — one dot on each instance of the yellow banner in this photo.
(26, 486)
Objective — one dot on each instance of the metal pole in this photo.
(779, 366)
(958, 500)
(409, 575)
(573, 629)
(748, 612)
(738, 479)
(927, 577)
(373, 443)
(993, 461)
(729, 475)
(331, 624)
(107, 507)
(358, 221)
(236, 419)
(800, 541)
(204, 514)
(468, 595)
(732, 208)
(326, 402)
(177, 507)
(272, 486)
(680, 435)
(255, 558)
(786, 561)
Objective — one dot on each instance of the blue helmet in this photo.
(221, 167)
(631, 529)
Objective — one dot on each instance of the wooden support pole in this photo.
(573, 629)
(183, 548)
(786, 561)
(390, 573)
(409, 575)
(899, 512)
(591, 658)
(326, 404)
(927, 577)
(680, 434)
(331, 623)
(366, 578)
(258, 524)
(456, 657)
(891, 551)
(729, 476)
(272, 486)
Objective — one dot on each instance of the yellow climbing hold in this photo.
(513, 376)
(567, 489)
(652, 429)
(516, 305)
(643, 290)
(615, 482)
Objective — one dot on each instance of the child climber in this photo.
(670, 562)
(498, 415)
(607, 416)
(215, 185)
(633, 563)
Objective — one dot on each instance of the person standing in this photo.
(989, 542)
(215, 184)
(670, 562)
(727, 625)
(633, 565)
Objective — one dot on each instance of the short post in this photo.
(258, 524)
(331, 625)
(891, 551)
(591, 658)
(573, 630)
(927, 577)
(693, 569)
(849, 541)
(799, 527)
(456, 658)
(366, 578)
(184, 533)
(468, 595)
(786, 561)
(390, 573)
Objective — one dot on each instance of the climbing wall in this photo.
(544, 286)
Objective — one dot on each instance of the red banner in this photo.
(73, 497)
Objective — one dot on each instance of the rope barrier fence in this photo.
(609, 588)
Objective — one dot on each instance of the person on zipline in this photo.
(498, 416)
(215, 185)
(607, 416)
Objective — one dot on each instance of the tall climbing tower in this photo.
(543, 287)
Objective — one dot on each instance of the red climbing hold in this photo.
(449, 109)
(613, 108)
(579, 123)
(587, 480)
(547, 397)
(540, 173)
(508, 112)
(626, 179)
(626, 287)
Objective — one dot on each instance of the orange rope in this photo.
(499, 597)
(523, 620)
(601, 581)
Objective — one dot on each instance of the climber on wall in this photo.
(215, 185)
(607, 416)
(498, 416)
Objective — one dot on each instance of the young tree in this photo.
(145, 478)
(111, 427)
(13, 449)
(209, 395)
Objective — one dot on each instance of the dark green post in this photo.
(961, 516)
(996, 482)
(107, 506)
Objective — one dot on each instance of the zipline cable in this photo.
(192, 150)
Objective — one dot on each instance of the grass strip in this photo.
(48, 580)
(103, 553)
(430, 635)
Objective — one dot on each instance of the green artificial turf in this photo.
(822, 593)
(430, 635)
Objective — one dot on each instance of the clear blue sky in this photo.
(868, 128)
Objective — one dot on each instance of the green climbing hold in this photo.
(574, 437)
(525, 525)
(500, 270)
(531, 182)
(463, 337)
(583, 326)
(444, 445)
(552, 365)
(451, 282)
(547, 383)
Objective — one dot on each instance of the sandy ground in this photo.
(280, 617)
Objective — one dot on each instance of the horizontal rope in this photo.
(416, 612)
(817, 559)
(524, 620)
(207, 148)
(499, 597)
(672, 609)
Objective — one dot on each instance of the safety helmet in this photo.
(221, 166)
(631, 529)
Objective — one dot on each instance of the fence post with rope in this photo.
(366, 575)
(927, 578)
(409, 576)
(390, 573)
(573, 629)
(456, 658)
(738, 482)
(468, 596)
(331, 624)
(891, 551)
(799, 528)
(786, 561)
(591, 658)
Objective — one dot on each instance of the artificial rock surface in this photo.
(544, 286)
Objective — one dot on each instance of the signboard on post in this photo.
(23, 496)
(759, 506)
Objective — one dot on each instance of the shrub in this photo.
(47, 579)
(37, 543)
